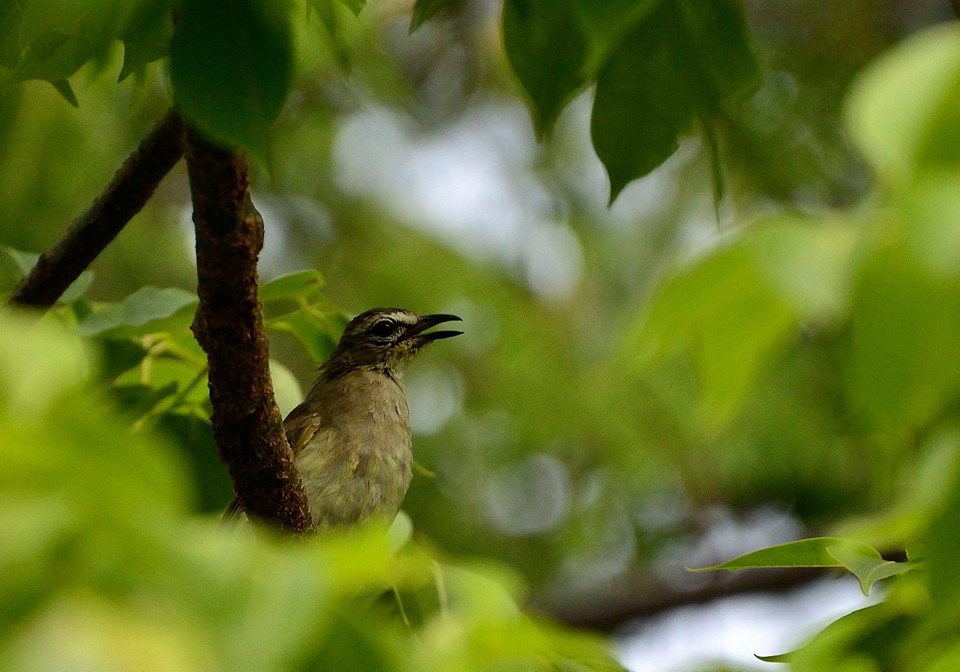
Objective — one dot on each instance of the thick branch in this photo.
(123, 198)
(247, 426)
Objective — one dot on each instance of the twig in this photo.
(125, 195)
(247, 426)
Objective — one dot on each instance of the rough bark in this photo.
(124, 197)
(247, 426)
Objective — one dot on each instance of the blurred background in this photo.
(406, 170)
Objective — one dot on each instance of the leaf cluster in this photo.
(884, 283)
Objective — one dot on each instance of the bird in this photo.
(351, 436)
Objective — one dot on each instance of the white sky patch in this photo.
(470, 184)
(734, 629)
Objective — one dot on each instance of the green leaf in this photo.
(355, 6)
(424, 10)
(146, 35)
(547, 49)
(231, 64)
(682, 60)
(286, 387)
(15, 264)
(642, 105)
(607, 22)
(66, 91)
(726, 314)
(37, 363)
(296, 285)
(809, 264)
(865, 563)
(804, 553)
(856, 642)
(861, 560)
(902, 110)
(717, 50)
(146, 311)
(905, 326)
(312, 330)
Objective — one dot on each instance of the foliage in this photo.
(804, 361)
(885, 277)
(143, 585)
(657, 67)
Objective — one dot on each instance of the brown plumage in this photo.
(351, 435)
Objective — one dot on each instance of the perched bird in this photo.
(351, 435)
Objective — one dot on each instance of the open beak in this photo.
(428, 321)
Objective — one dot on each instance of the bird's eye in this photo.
(383, 328)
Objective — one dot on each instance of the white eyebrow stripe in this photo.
(405, 317)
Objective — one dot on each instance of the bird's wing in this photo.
(301, 425)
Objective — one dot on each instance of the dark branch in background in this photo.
(123, 198)
(247, 426)
(956, 7)
(643, 594)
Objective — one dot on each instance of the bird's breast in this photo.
(358, 464)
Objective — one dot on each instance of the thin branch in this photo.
(247, 426)
(128, 191)
(641, 594)
(956, 7)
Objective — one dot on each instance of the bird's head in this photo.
(385, 338)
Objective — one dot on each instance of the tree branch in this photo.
(124, 197)
(641, 594)
(956, 7)
(247, 426)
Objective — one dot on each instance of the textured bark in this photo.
(247, 426)
(124, 197)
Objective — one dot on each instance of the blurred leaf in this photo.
(118, 356)
(15, 264)
(547, 50)
(286, 387)
(146, 35)
(809, 263)
(931, 210)
(943, 551)
(37, 363)
(138, 400)
(903, 107)
(924, 493)
(424, 10)
(146, 311)
(725, 313)
(55, 38)
(905, 326)
(299, 284)
(231, 64)
(310, 329)
(327, 11)
(853, 643)
(355, 6)
(193, 436)
(66, 91)
(160, 371)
